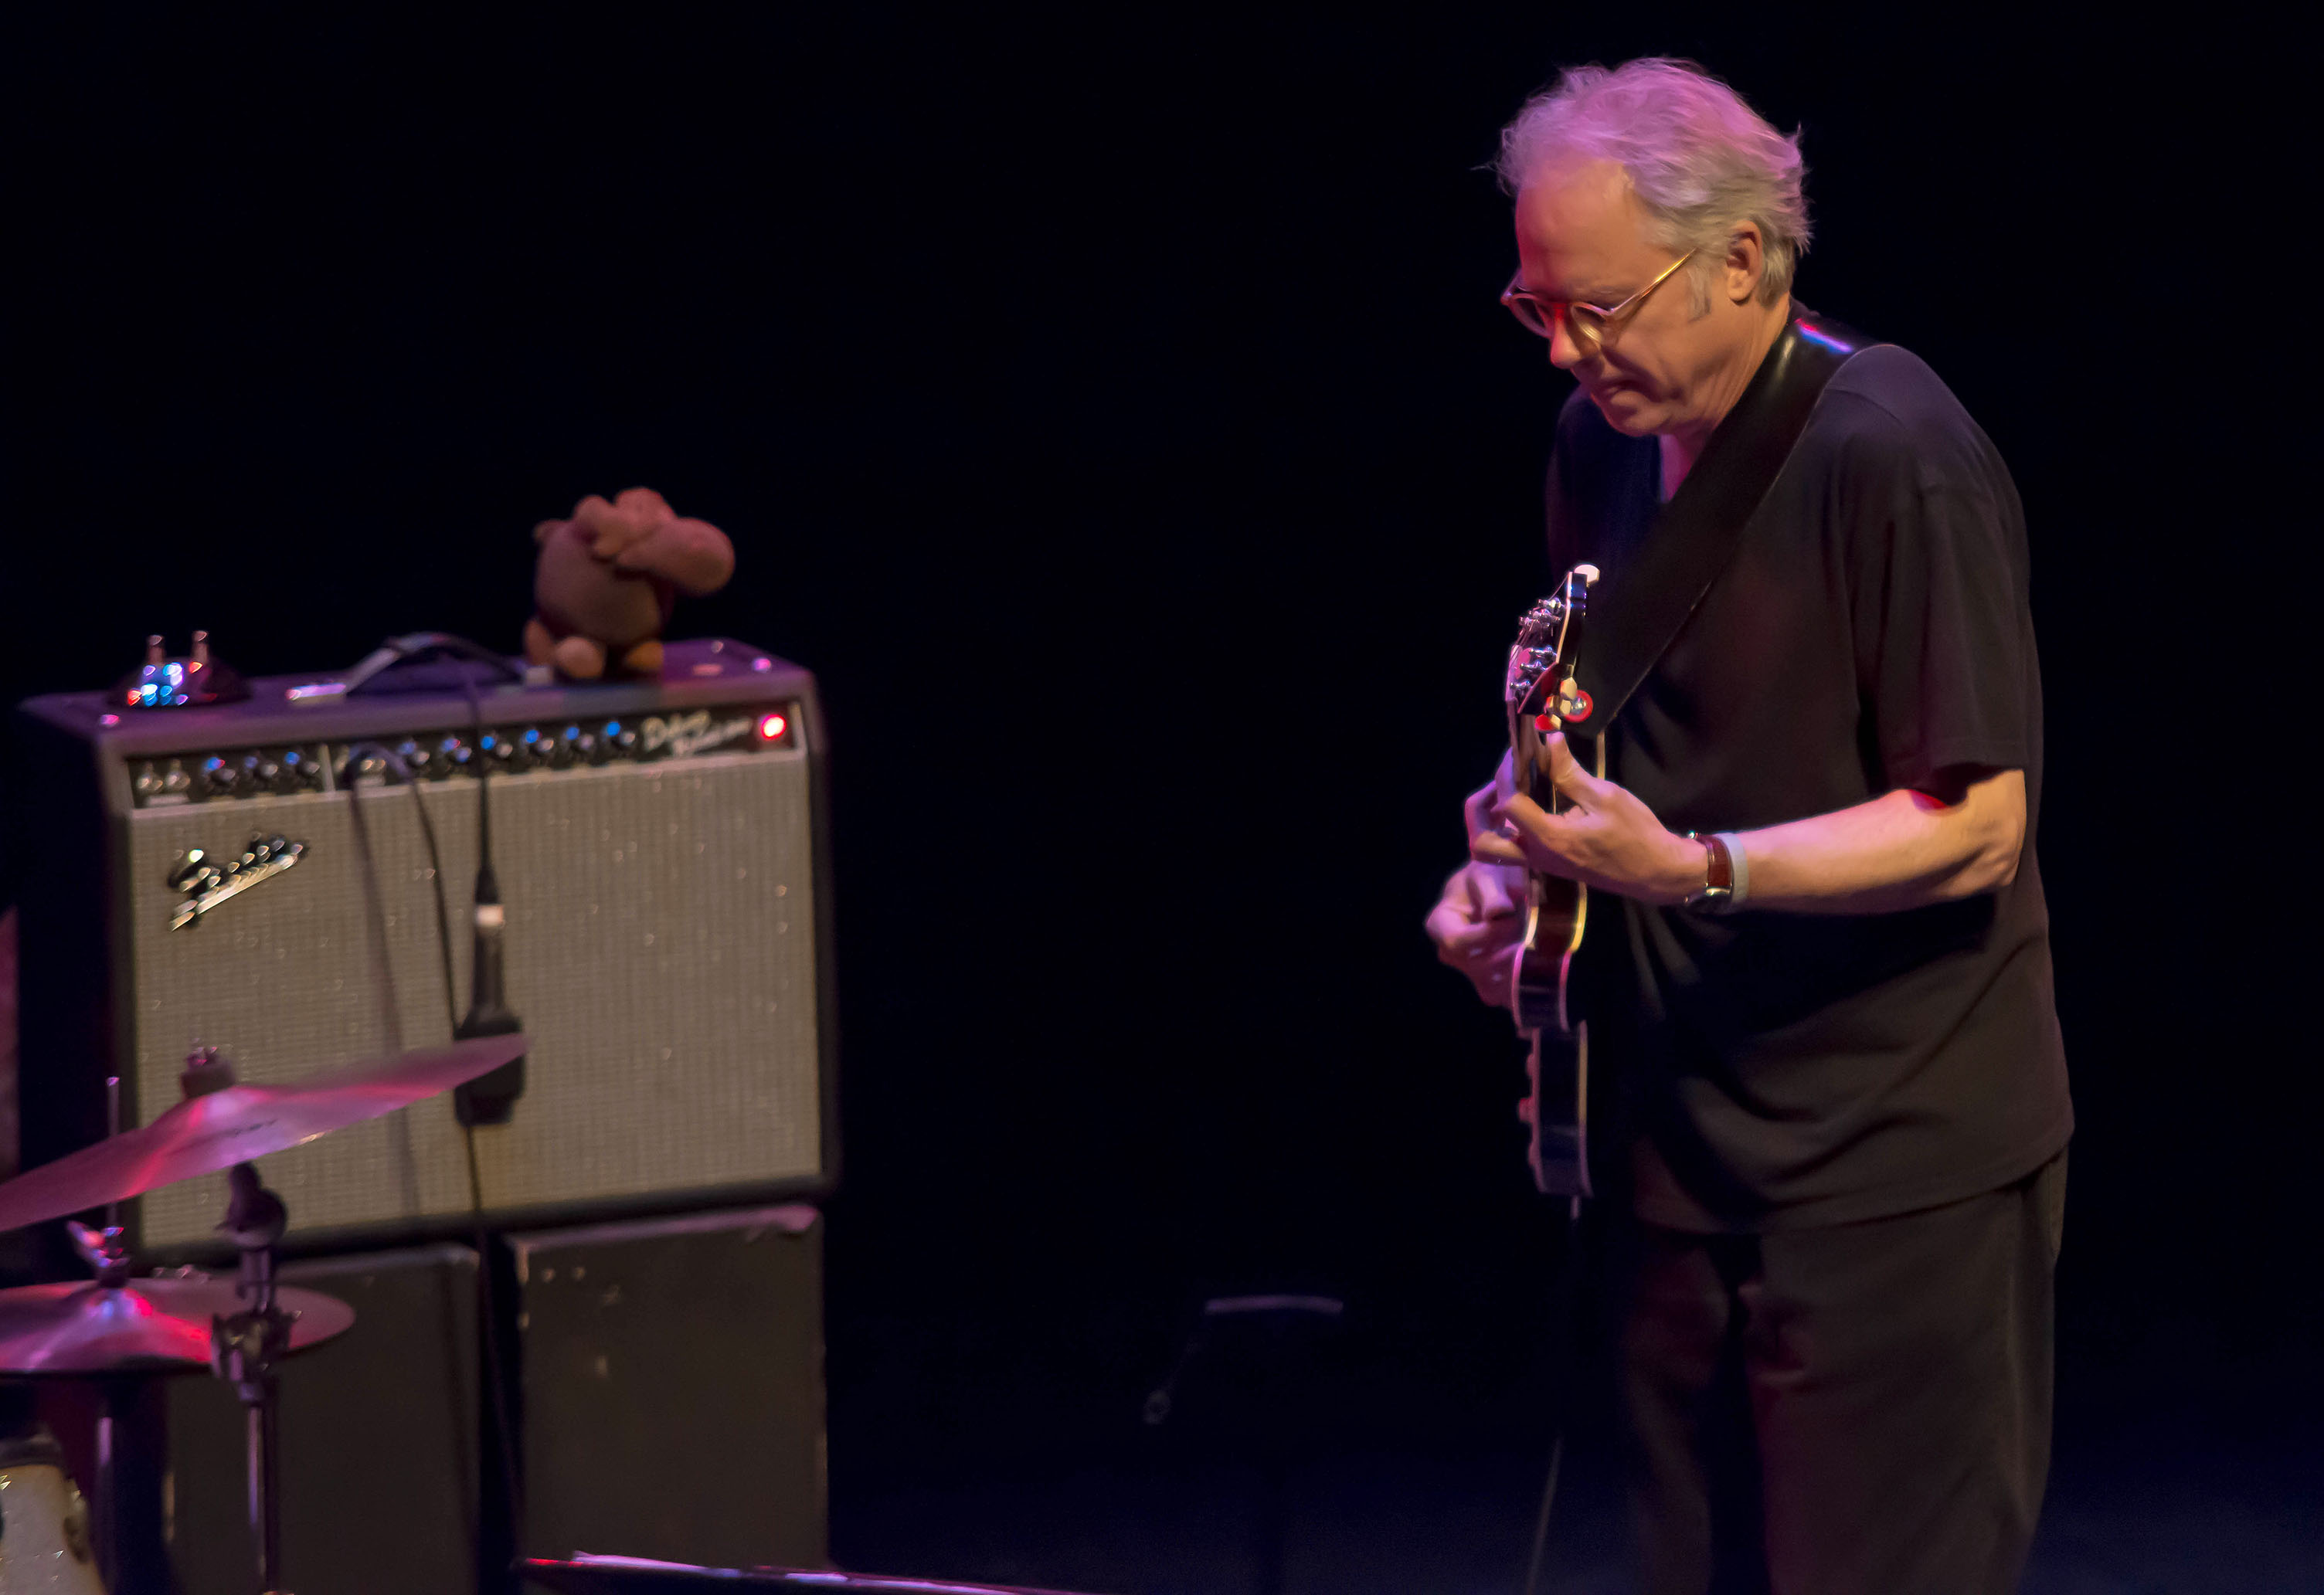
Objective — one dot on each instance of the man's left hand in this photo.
(1603, 837)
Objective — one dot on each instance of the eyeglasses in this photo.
(1587, 325)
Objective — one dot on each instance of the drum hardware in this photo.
(118, 1331)
(235, 1123)
(245, 1347)
(116, 1326)
(115, 1329)
(111, 1129)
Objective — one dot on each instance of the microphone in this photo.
(489, 1098)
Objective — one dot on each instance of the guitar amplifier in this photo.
(207, 876)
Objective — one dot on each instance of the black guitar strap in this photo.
(1636, 613)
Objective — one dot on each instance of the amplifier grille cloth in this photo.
(660, 950)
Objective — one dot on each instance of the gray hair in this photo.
(1699, 160)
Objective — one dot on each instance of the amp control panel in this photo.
(543, 748)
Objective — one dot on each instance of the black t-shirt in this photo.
(1771, 1070)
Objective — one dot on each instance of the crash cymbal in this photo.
(151, 1325)
(231, 1126)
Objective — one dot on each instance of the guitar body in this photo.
(1541, 699)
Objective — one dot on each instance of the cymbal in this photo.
(208, 1133)
(151, 1325)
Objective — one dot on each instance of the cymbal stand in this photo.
(118, 1405)
(245, 1347)
(102, 1251)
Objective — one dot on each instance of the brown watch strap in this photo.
(1717, 873)
(1721, 878)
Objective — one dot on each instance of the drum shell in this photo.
(44, 1543)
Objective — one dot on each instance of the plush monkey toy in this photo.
(608, 579)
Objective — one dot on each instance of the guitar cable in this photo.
(488, 1309)
(1548, 1501)
(487, 1015)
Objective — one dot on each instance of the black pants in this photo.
(1862, 1409)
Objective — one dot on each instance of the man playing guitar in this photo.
(1830, 1110)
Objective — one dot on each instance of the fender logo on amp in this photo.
(205, 882)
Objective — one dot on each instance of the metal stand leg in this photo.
(265, 1511)
(244, 1350)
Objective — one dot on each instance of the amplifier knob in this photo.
(147, 782)
(175, 779)
(567, 746)
(621, 742)
(214, 777)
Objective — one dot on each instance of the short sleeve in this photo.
(1943, 633)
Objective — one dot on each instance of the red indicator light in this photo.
(771, 728)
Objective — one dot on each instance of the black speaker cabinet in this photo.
(380, 1468)
(672, 1384)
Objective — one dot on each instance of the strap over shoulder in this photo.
(1636, 613)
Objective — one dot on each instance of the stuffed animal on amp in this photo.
(608, 577)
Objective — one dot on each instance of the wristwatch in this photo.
(1722, 883)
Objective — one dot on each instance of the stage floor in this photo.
(2181, 1468)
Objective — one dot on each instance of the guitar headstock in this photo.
(1541, 664)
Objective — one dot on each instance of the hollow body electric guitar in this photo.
(1543, 699)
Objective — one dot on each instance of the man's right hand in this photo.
(1476, 923)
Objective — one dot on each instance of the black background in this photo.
(1112, 408)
